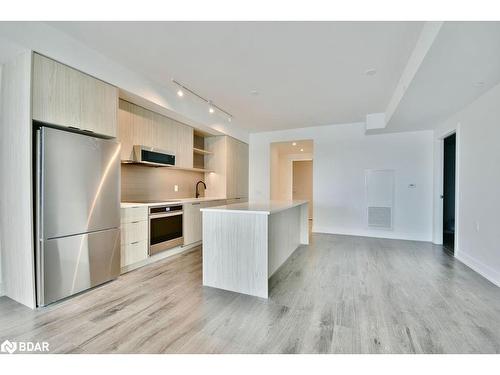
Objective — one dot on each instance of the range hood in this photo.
(153, 156)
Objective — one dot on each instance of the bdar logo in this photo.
(8, 347)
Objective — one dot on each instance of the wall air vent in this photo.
(380, 198)
(380, 217)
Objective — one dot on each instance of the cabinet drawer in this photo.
(131, 214)
(134, 252)
(133, 232)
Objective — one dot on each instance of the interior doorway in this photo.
(292, 171)
(302, 181)
(449, 188)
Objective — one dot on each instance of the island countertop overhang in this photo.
(257, 207)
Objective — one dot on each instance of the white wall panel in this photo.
(341, 155)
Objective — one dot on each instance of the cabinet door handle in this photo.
(195, 204)
(135, 222)
(135, 242)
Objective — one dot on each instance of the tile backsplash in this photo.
(147, 183)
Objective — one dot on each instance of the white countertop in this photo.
(169, 201)
(266, 207)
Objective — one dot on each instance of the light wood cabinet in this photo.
(67, 97)
(134, 252)
(140, 126)
(237, 169)
(134, 232)
(236, 200)
(193, 220)
(191, 225)
(134, 235)
(229, 162)
(134, 213)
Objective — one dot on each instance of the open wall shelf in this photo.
(200, 151)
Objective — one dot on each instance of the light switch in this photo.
(176, 187)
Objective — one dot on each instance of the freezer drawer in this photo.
(80, 183)
(72, 264)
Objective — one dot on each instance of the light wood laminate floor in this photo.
(340, 294)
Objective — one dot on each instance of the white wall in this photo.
(274, 173)
(478, 181)
(341, 155)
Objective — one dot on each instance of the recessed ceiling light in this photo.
(180, 93)
(294, 144)
(211, 110)
(371, 72)
(301, 149)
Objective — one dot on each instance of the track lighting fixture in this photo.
(212, 108)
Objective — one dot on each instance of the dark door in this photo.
(449, 193)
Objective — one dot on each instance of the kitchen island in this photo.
(244, 244)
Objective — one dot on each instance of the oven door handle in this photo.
(158, 216)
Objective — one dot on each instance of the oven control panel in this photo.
(163, 209)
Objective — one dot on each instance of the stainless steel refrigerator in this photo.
(78, 212)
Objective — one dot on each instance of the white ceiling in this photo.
(462, 55)
(306, 73)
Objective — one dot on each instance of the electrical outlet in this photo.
(176, 187)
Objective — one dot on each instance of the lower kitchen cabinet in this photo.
(191, 225)
(134, 232)
(134, 235)
(134, 252)
(134, 229)
(192, 220)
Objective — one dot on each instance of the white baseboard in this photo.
(160, 256)
(370, 233)
(486, 271)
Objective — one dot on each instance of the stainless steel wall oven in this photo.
(165, 228)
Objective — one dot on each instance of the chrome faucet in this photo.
(199, 182)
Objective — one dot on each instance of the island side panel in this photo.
(304, 224)
(285, 228)
(235, 252)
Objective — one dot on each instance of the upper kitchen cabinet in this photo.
(67, 97)
(229, 161)
(140, 126)
(237, 169)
